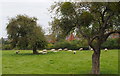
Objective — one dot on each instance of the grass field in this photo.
(62, 62)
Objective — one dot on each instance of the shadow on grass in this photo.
(24, 54)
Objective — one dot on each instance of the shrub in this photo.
(76, 44)
(73, 45)
(111, 44)
(49, 46)
(6, 47)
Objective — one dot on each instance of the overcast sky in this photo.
(36, 8)
(32, 8)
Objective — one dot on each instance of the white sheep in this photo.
(40, 52)
(69, 50)
(44, 50)
(17, 52)
(52, 50)
(91, 49)
(65, 49)
(60, 49)
(74, 52)
(81, 49)
(106, 49)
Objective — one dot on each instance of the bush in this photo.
(6, 47)
(61, 44)
(49, 46)
(111, 44)
(76, 44)
(73, 45)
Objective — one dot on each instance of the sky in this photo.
(32, 8)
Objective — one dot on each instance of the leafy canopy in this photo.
(23, 32)
(94, 21)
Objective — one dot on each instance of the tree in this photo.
(5, 44)
(94, 21)
(23, 32)
(1, 42)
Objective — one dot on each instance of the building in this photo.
(116, 35)
(72, 37)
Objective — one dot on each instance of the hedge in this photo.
(76, 44)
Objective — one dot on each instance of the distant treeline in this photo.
(73, 45)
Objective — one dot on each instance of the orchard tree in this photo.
(23, 32)
(94, 21)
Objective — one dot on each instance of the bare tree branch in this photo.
(108, 34)
(105, 23)
(103, 14)
(94, 38)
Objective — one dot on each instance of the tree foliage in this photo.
(23, 31)
(90, 19)
(94, 21)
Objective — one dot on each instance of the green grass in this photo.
(62, 62)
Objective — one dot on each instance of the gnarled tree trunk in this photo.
(35, 50)
(96, 62)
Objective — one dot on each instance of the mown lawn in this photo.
(62, 62)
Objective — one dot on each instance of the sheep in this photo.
(60, 49)
(69, 50)
(52, 50)
(40, 52)
(81, 49)
(44, 50)
(74, 52)
(17, 52)
(65, 49)
(91, 49)
(106, 49)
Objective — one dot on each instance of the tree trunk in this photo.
(35, 50)
(96, 62)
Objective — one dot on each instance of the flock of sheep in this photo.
(53, 50)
